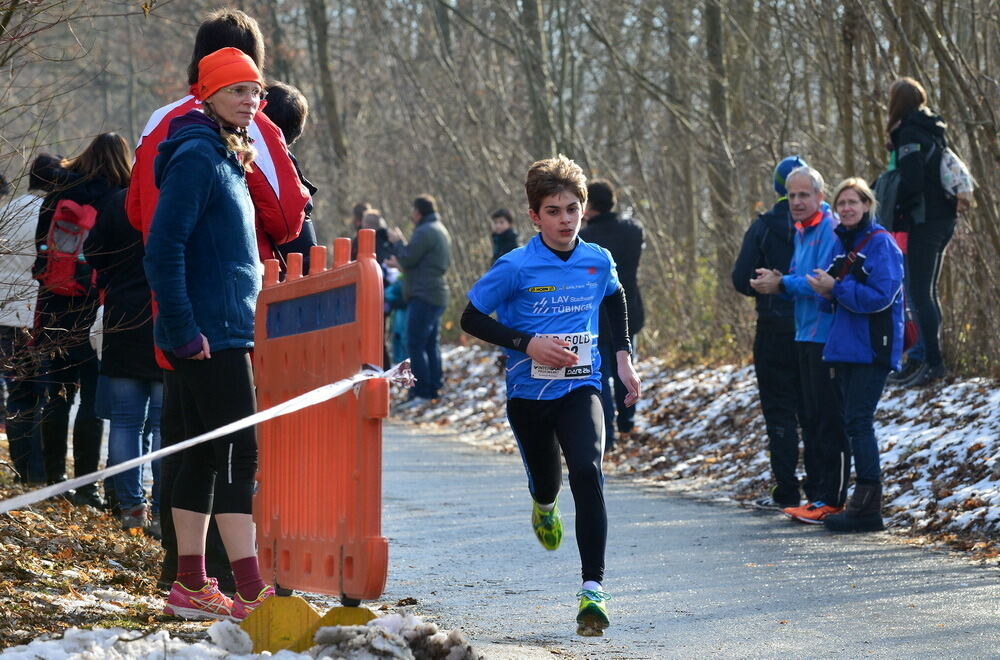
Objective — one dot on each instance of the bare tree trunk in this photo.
(321, 23)
(679, 27)
(719, 161)
(849, 29)
(533, 55)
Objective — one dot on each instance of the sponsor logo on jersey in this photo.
(562, 305)
(541, 289)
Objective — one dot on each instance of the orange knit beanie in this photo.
(226, 66)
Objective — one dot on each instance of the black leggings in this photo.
(574, 422)
(925, 251)
(216, 476)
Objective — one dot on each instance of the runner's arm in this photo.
(485, 327)
(617, 310)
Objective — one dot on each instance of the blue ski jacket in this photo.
(868, 300)
(815, 245)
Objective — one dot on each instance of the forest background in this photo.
(685, 105)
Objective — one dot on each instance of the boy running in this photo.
(547, 296)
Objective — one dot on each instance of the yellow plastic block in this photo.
(337, 616)
(346, 616)
(282, 622)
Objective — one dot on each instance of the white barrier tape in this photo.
(399, 373)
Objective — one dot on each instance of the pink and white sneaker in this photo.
(242, 608)
(205, 603)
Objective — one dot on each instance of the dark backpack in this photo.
(62, 268)
(886, 191)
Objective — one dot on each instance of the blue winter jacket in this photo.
(201, 255)
(868, 300)
(814, 248)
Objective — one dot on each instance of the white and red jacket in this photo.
(278, 195)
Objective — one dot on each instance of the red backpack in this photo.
(64, 269)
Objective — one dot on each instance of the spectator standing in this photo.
(624, 239)
(865, 286)
(383, 249)
(927, 213)
(287, 107)
(63, 321)
(827, 453)
(18, 293)
(279, 203)
(202, 264)
(128, 364)
(504, 236)
(396, 308)
(357, 216)
(769, 244)
(424, 259)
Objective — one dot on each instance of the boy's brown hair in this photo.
(553, 176)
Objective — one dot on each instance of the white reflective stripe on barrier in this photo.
(399, 373)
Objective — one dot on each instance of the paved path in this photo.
(689, 578)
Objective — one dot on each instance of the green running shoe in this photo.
(592, 618)
(547, 525)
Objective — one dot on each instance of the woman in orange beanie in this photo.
(201, 263)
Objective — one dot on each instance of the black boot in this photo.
(863, 513)
(88, 496)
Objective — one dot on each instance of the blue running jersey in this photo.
(534, 291)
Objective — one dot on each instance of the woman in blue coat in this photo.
(201, 263)
(865, 287)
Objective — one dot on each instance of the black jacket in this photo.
(503, 243)
(769, 242)
(918, 142)
(115, 249)
(307, 237)
(623, 238)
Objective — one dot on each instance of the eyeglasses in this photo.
(243, 91)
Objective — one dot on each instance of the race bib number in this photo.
(580, 343)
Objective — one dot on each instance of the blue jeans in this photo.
(859, 390)
(423, 323)
(133, 403)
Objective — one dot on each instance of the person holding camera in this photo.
(865, 288)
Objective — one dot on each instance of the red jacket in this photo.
(278, 195)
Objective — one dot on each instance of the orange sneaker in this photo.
(792, 511)
(816, 513)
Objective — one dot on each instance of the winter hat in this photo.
(783, 169)
(226, 66)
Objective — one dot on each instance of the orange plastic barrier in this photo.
(318, 505)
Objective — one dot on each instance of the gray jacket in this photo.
(425, 260)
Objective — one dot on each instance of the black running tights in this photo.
(574, 423)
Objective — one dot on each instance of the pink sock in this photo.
(191, 571)
(249, 583)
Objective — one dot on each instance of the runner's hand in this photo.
(551, 352)
(628, 376)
